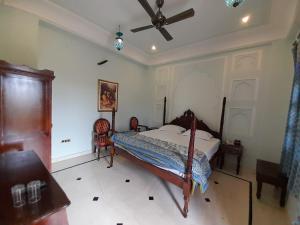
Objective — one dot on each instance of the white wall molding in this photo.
(69, 21)
(71, 156)
(278, 28)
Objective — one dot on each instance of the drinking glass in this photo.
(34, 191)
(18, 195)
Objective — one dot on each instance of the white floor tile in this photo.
(128, 203)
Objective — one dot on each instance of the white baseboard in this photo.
(58, 159)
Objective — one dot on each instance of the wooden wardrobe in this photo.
(25, 110)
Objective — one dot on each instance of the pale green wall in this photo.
(19, 34)
(74, 61)
(26, 40)
(275, 99)
(274, 87)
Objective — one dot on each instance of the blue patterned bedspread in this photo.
(165, 154)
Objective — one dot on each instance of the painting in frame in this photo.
(107, 96)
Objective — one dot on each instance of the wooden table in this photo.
(22, 167)
(269, 172)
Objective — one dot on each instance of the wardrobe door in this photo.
(26, 114)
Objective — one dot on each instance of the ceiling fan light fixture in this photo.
(119, 43)
(234, 3)
(245, 19)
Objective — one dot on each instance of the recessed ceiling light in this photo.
(245, 19)
(153, 47)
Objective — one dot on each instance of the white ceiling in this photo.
(214, 28)
(212, 18)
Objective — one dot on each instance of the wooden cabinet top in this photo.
(21, 168)
(234, 149)
(25, 70)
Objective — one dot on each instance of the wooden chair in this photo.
(102, 138)
(134, 125)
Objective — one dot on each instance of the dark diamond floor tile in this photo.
(151, 198)
(207, 199)
(95, 198)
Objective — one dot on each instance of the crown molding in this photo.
(277, 28)
(71, 22)
(242, 39)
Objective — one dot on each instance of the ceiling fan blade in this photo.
(148, 8)
(141, 28)
(166, 34)
(181, 16)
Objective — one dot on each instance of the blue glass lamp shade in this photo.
(119, 44)
(234, 3)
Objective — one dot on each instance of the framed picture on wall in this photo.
(107, 96)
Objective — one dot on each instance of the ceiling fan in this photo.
(159, 20)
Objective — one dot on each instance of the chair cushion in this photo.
(103, 142)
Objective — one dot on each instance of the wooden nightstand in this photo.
(234, 150)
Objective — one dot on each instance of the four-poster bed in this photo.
(188, 121)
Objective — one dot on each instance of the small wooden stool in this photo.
(268, 172)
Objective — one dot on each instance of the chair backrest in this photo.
(133, 124)
(102, 126)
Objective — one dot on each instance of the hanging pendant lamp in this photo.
(119, 43)
(234, 3)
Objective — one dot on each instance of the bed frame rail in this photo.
(185, 183)
(166, 175)
(189, 121)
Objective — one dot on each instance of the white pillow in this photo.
(199, 134)
(172, 128)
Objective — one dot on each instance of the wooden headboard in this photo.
(187, 118)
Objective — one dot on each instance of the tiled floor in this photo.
(122, 195)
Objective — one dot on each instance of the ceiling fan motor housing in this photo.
(160, 3)
(159, 20)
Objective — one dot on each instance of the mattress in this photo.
(209, 148)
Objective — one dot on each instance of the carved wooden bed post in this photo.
(113, 120)
(112, 150)
(187, 186)
(222, 118)
(165, 107)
